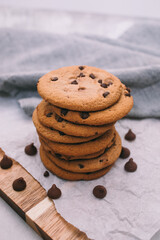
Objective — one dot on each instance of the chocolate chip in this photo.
(124, 153)
(19, 184)
(81, 75)
(101, 160)
(84, 115)
(64, 111)
(50, 152)
(105, 94)
(81, 67)
(92, 76)
(88, 173)
(100, 81)
(81, 88)
(49, 114)
(128, 89)
(51, 128)
(61, 133)
(54, 78)
(6, 162)
(130, 166)
(54, 192)
(81, 165)
(58, 155)
(74, 82)
(127, 94)
(58, 118)
(99, 191)
(46, 174)
(130, 136)
(104, 85)
(30, 149)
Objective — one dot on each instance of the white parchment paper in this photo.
(130, 210)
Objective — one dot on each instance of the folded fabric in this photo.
(134, 57)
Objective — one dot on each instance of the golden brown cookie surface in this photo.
(48, 118)
(87, 89)
(59, 172)
(86, 148)
(106, 116)
(89, 165)
(57, 136)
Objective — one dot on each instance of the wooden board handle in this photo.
(34, 206)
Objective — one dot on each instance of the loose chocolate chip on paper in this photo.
(30, 149)
(54, 79)
(81, 67)
(54, 192)
(99, 191)
(81, 165)
(74, 82)
(84, 115)
(62, 133)
(130, 136)
(92, 76)
(6, 162)
(125, 153)
(19, 184)
(130, 166)
(49, 114)
(64, 111)
(81, 75)
(46, 174)
(105, 94)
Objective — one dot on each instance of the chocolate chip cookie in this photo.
(89, 89)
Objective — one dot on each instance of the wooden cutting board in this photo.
(34, 206)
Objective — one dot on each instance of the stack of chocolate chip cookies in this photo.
(75, 121)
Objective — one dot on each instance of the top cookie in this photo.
(80, 88)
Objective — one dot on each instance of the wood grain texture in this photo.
(34, 206)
